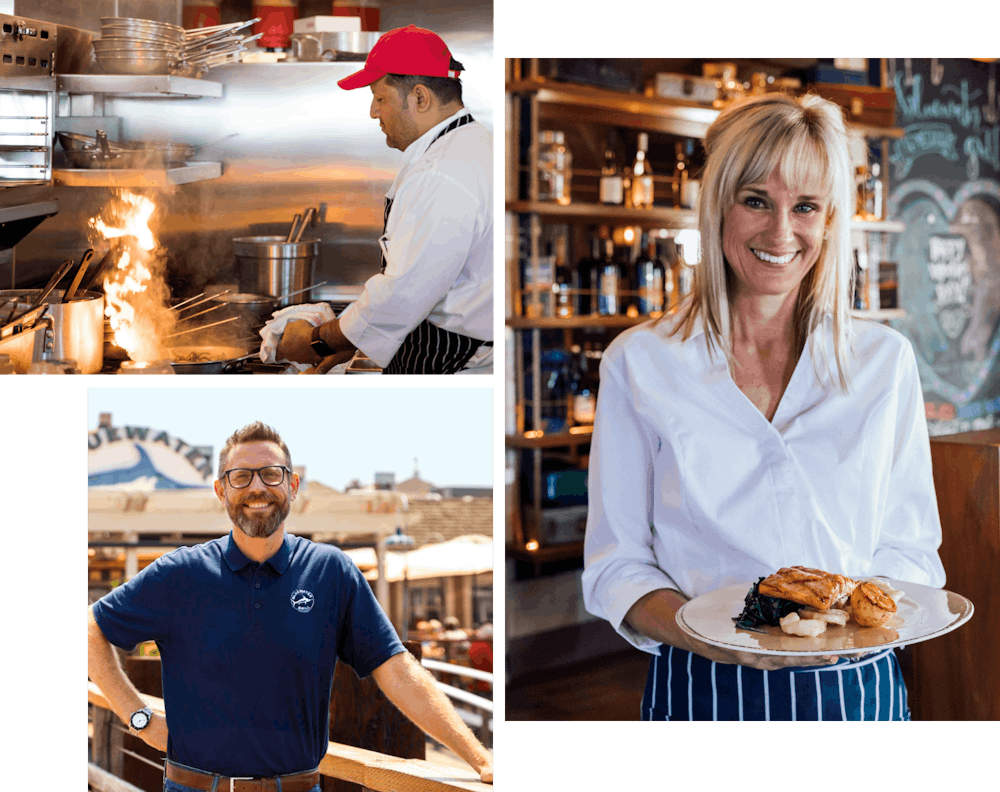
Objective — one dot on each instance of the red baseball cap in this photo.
(409, 50)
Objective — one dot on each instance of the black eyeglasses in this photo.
(240, 478)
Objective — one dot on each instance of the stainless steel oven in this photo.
(27, 117)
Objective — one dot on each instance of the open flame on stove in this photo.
(135, 290)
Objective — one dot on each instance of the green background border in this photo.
(606, 756)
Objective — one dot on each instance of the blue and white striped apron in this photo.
(686, 686)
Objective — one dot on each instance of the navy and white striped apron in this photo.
(429, 349)
(685, 686)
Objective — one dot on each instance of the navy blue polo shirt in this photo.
(248, 650)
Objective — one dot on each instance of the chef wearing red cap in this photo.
(430, 309)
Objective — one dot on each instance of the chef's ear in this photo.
(422, 97)
(293, 483)
(220, 490)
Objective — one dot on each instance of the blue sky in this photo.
(338, 433)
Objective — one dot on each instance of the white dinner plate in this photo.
(922, 613)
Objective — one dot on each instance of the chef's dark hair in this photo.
(257, 432)
(446, 89)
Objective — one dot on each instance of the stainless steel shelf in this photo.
(98, 177)
(137, 85)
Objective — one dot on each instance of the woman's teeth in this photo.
(773, 259)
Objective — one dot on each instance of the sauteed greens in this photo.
(760, 609)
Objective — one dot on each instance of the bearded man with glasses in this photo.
(250, 628)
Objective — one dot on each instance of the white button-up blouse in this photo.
(693, 489)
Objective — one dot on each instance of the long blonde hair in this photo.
(807, 140)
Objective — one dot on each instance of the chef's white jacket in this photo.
(691, 488)
(438, 245)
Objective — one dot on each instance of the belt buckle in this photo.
(232, 781)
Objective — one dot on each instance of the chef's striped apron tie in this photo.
(685, 686)
(429, 349)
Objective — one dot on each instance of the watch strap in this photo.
(319, 346)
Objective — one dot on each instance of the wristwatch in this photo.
(140, 719)
(319, 345)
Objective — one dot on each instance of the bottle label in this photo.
(642, 191)
(584, 407)
(607, 300)
(612, 190)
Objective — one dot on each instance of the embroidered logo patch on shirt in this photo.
(303, 600)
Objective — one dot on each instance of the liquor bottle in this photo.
(566, 287)
(555, 167)
(642, 176)
(649, 279)
(612, 186)
(588, 277)
(670, 297)
(685, 188)
(585, 382)
(608, 282)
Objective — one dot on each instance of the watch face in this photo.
(139, 720)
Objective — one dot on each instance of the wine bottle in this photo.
(612, 186)
(608, 285)
(649, 286)
(642, 176)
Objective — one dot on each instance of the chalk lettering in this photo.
(984, 149)
(912, 107)
(920, 139)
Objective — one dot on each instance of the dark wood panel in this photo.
(954, 677)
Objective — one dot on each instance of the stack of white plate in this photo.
(138, 46)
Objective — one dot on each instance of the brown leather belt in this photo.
(293, 782)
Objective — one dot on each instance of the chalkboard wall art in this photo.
(944, 184)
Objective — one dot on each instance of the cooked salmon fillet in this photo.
(812, 587)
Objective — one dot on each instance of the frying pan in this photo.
(210, 359)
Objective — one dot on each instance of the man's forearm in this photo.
(413, 690)
(107, 673)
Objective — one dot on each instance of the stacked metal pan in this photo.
(138, 46)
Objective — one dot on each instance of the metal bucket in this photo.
(78, 326)
(269, 265)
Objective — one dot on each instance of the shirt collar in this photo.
(422, 143)
(237, 560)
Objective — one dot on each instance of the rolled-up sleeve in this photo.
(620, 566)
(910, 533)
(425, 249)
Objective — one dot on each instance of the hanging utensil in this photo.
(80, 272)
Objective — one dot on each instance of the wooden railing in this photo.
(370, 769)
(480, 719)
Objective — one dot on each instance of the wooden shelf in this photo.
(546, 555)
(588, 104)
(657, 217)
(575, 322)
(575, 436)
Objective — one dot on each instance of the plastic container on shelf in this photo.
(555, 167)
